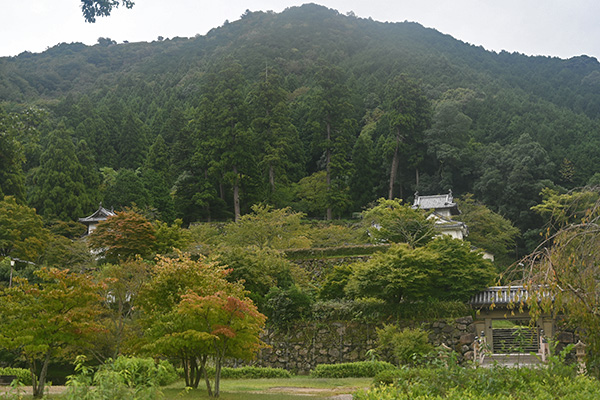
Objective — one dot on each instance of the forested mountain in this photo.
(308, 108)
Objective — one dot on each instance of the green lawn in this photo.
(274, 389)
(298, 387)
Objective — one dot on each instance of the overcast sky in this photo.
(562, 28)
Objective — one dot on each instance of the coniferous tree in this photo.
(92, 178)
(362, 184)
(95, 131)
(226, 135)
(155, 176)
(408, 112)
(333, 130)
(126, 190)
(132, 141)
(280, 148)
(158, 157)
(12, 179)
(58, 188)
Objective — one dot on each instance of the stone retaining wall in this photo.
(302, 347)
(318, 268)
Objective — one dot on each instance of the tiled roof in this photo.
(436, 202)
(100, 215)
(504, 296)
(500, 295)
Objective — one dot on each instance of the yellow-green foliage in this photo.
(392, 221)
(351, 370)
(407, 346)
(22, 374)
(497, 383)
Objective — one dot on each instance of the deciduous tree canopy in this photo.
(101, 8)
(42, 321)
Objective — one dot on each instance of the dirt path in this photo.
(28, 390)
(336, 394)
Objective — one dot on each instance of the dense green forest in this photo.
(309, 108)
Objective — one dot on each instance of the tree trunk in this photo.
(203, 360)
(38, 387)
(393, 173)
(328, 170)
(236, 195)
(186, 370)
(221, 191)
(120, 327)
(208, 217)
(417, 176)
(395, 163)
(194, 373)
(218, 363)
(272, 177)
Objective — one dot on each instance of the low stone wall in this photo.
(301, 348)
(318, 268)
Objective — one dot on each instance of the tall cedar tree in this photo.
(364, 176)
(334, 130)
(281, 149)
(226, 136)
(12, 179)
(155, 176)
(409, 113)
(59, 190)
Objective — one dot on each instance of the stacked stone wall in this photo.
(302, 347)
(318, 268)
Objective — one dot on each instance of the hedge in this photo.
(332, 252)
(22, 374)
(358, 369)
(250, 373)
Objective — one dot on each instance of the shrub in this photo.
(407, 346)
(108, 383)
(251, 373)
(481, 383)
(433, 310)
(138, 371)
(284, 306)
(364, 310)
(335, 282)
(358, 369)
(387, 377)
(335, 252)
(23, 375)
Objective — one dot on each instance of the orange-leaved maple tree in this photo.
(43, 320)
(233, 326)
(193, 313)
(124, 236)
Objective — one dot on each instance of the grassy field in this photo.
(275, 389)
(298, 387)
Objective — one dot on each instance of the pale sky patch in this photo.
(534, 27)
